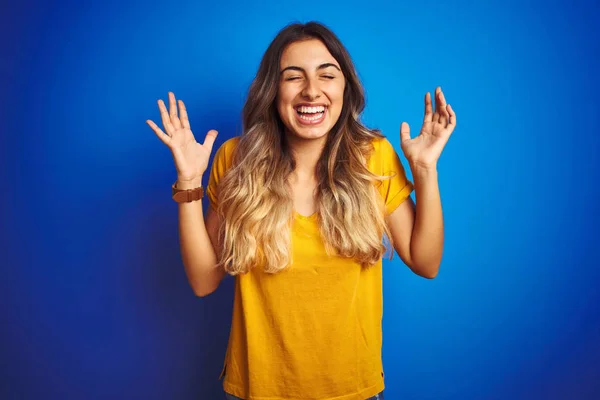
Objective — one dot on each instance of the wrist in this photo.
(420, 172)
(188, 183)
(417, 167)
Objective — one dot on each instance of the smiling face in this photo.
(311, 90)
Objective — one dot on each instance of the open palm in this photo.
(191, 158)
(425, 149)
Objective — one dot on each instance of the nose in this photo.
(311, 90)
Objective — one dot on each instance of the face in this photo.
(311, 90)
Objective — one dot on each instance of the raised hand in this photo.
(191, 158)
(424, 150)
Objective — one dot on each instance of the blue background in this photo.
(95, 303)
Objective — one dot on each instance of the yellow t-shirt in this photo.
(312, 331)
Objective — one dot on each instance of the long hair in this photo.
(254, 195)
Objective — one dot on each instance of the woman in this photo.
(299, 206)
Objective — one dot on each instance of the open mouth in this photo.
(311, 115)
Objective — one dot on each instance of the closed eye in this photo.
(293, 78)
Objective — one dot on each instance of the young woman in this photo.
(303, 206)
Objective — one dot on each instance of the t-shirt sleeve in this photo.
(221, 163)
(397, 188)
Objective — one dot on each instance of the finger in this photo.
(209, 140)
(452, 119)
(166, 139)
(185, 122)
(436, 115)
(404, 132)
(428, 108)
(443, 112)
(166, 120)
(173, 111)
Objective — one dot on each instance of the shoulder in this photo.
(223, 157)
(383, 154)
(224, 154)
(229, 146)
(222, 162)
(382, 146)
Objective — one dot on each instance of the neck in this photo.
(306, 153)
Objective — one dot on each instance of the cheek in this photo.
(280, 100)
(284, 99)
(338, 97)
(337, 92)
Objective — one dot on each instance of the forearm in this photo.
(427, 240)
(197, 252)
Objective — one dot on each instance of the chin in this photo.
(308, 134)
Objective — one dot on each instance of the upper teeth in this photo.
(316, 109)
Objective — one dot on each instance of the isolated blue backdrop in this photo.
(95, 303)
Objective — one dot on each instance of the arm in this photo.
(418, 231)
(199, 244)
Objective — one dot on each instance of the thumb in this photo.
(404, 132)
(209, 140)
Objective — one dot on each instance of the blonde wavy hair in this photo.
(255, 199)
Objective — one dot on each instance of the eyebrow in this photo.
(322, 66)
